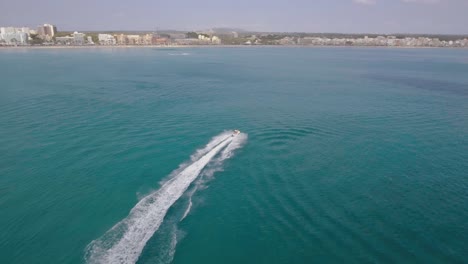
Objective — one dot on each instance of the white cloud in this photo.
(365, 2)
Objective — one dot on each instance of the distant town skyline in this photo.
(341, 16)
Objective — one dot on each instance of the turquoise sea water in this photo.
(348, 155)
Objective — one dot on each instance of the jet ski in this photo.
(235, 132)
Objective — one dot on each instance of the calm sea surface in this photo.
(348, 155)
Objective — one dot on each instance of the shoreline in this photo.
(216, 46)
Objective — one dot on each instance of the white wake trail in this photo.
(198, 154)
(216, 165)
(124, 242)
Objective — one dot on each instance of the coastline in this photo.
(215, 46)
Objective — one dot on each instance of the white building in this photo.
(203, 37)
(7, 30)
(215, 40)
(134, 40)
(46, 31)
(13, 36)
(66, 40)
(74, 39)
(25, 30)
(78, 38)
(106, 39)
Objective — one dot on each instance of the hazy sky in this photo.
(366, 16)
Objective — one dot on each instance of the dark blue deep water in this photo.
(349, 155)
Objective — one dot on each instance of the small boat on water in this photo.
(235, 133)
